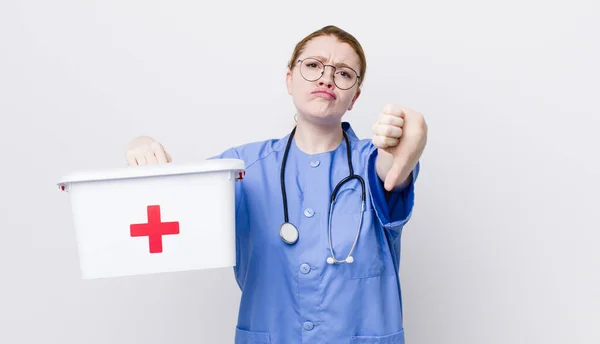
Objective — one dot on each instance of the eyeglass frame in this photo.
(300, 61)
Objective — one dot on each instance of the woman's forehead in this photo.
(330, 50)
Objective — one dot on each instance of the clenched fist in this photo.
(401, 136)
(144, 150)
(388, 128)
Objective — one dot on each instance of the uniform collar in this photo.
(348, 129)
(280, 146)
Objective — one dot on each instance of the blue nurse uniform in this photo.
(290, 294)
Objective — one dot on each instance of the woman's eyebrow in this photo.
(337, 64)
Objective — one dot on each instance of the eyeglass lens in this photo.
(343, 77)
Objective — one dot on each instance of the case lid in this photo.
(153, 170)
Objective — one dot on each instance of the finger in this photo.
(139, 154)
(384, 141)
(150, 158)
(397, 173)
(392, 109)
(387, 130)
(130, 156)
(391, 120)
(169, 159)
(161, 157)
(139, 141)
(158, 152)
(391, 179)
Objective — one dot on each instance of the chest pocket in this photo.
(345, 221)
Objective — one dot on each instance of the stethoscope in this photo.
(289, 233)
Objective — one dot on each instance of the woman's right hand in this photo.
(143, 150)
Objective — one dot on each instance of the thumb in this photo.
(391, 179)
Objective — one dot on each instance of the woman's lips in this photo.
(324, 94)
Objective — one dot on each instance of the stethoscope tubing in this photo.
(331, 259)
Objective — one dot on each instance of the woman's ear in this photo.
(288, 82)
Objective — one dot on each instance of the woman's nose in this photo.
(327, 77)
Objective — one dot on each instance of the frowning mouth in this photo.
(324, 94)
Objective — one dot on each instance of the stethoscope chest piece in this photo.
(288, 233)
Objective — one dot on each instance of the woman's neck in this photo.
(315, 138)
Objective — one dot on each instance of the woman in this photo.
(301, 283)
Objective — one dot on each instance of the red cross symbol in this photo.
(154, 229)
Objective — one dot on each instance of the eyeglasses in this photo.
(343, 77)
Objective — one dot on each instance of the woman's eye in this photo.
(344, 74)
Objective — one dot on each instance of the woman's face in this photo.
(321, 100)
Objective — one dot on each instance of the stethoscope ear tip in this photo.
(330, 260)
(350, 259)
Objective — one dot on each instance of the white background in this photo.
(503, 244)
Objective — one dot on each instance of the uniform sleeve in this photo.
(232, 153)
(393, 208)
(241, 221)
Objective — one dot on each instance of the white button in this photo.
(305, 268)
(308, 326)
(315, 163)
(309, 212)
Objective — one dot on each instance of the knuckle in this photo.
(139, 150)
(375, 128)
(423, 123)
(391, 108)
(156, 147)
(389, 130)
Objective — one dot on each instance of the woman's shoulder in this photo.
(252, 152)
(363, 146)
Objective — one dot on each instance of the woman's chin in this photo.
(321, 112)
(323, 118)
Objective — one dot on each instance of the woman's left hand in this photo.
(401, 135)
